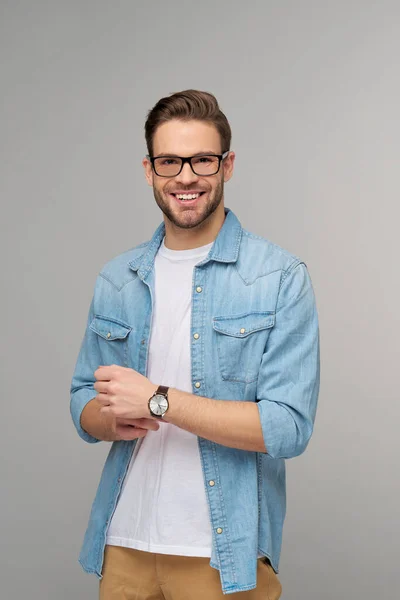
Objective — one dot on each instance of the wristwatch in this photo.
(158, 403)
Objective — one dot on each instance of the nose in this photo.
(186, 176)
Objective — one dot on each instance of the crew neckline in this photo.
(184, 254)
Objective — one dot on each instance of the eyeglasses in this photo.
(202, 164)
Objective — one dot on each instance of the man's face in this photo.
(188, 138)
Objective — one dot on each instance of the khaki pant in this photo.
(135, 575)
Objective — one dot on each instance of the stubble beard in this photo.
(190, 217)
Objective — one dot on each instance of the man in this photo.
(202, 344)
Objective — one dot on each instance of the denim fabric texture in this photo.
(254, 307)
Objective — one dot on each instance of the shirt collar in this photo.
(225, 248)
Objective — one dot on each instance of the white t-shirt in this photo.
(163, 507)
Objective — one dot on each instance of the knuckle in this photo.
(112, 388)
(115, 372)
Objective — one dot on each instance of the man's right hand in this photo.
(114, 429)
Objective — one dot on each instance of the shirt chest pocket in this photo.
(113, 337)
(241, 341)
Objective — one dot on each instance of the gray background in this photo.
(311, 90)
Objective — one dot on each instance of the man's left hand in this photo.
(123, 392)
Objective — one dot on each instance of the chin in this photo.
(188, 222)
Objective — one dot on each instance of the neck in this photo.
(177, 238)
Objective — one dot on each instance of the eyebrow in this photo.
(202, 153)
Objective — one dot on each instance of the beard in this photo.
(187, 218)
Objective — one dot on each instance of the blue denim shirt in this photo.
(254, 308)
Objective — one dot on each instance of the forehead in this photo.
(186, 138)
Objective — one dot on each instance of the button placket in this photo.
(197, 350)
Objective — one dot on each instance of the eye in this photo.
(168, 161)
(206, 162)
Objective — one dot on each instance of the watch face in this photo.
(159, 404)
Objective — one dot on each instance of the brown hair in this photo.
(187, 105)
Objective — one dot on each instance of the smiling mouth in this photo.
(187, 198)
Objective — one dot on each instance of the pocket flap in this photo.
(243, 325)
(109, 329)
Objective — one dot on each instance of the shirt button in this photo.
(211, 483)
(219, 530)
(196, 336)
(242, 330)
(199, 289)
(108, 334)
(197, 384)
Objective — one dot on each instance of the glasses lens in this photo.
(167, 167)
(205, 165)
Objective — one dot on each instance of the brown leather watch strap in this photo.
(162, 389)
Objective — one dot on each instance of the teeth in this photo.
(187, 196)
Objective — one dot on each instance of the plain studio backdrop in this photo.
(312, 92)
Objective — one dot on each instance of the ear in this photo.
(228, 166)
(148, 171)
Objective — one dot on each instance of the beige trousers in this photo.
(136, 575)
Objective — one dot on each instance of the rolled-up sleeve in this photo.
(82, 390)
(289, 375)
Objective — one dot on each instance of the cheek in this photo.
(217, 187)
(157, 187)
(164, 189)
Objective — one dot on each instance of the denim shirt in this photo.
(253, 307)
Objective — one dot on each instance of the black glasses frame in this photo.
(187, 159)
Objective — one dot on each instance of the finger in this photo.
(149, 424)
(104, 400)
(104, 373)
(127, 433)
(142, 422)
(101, 386)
